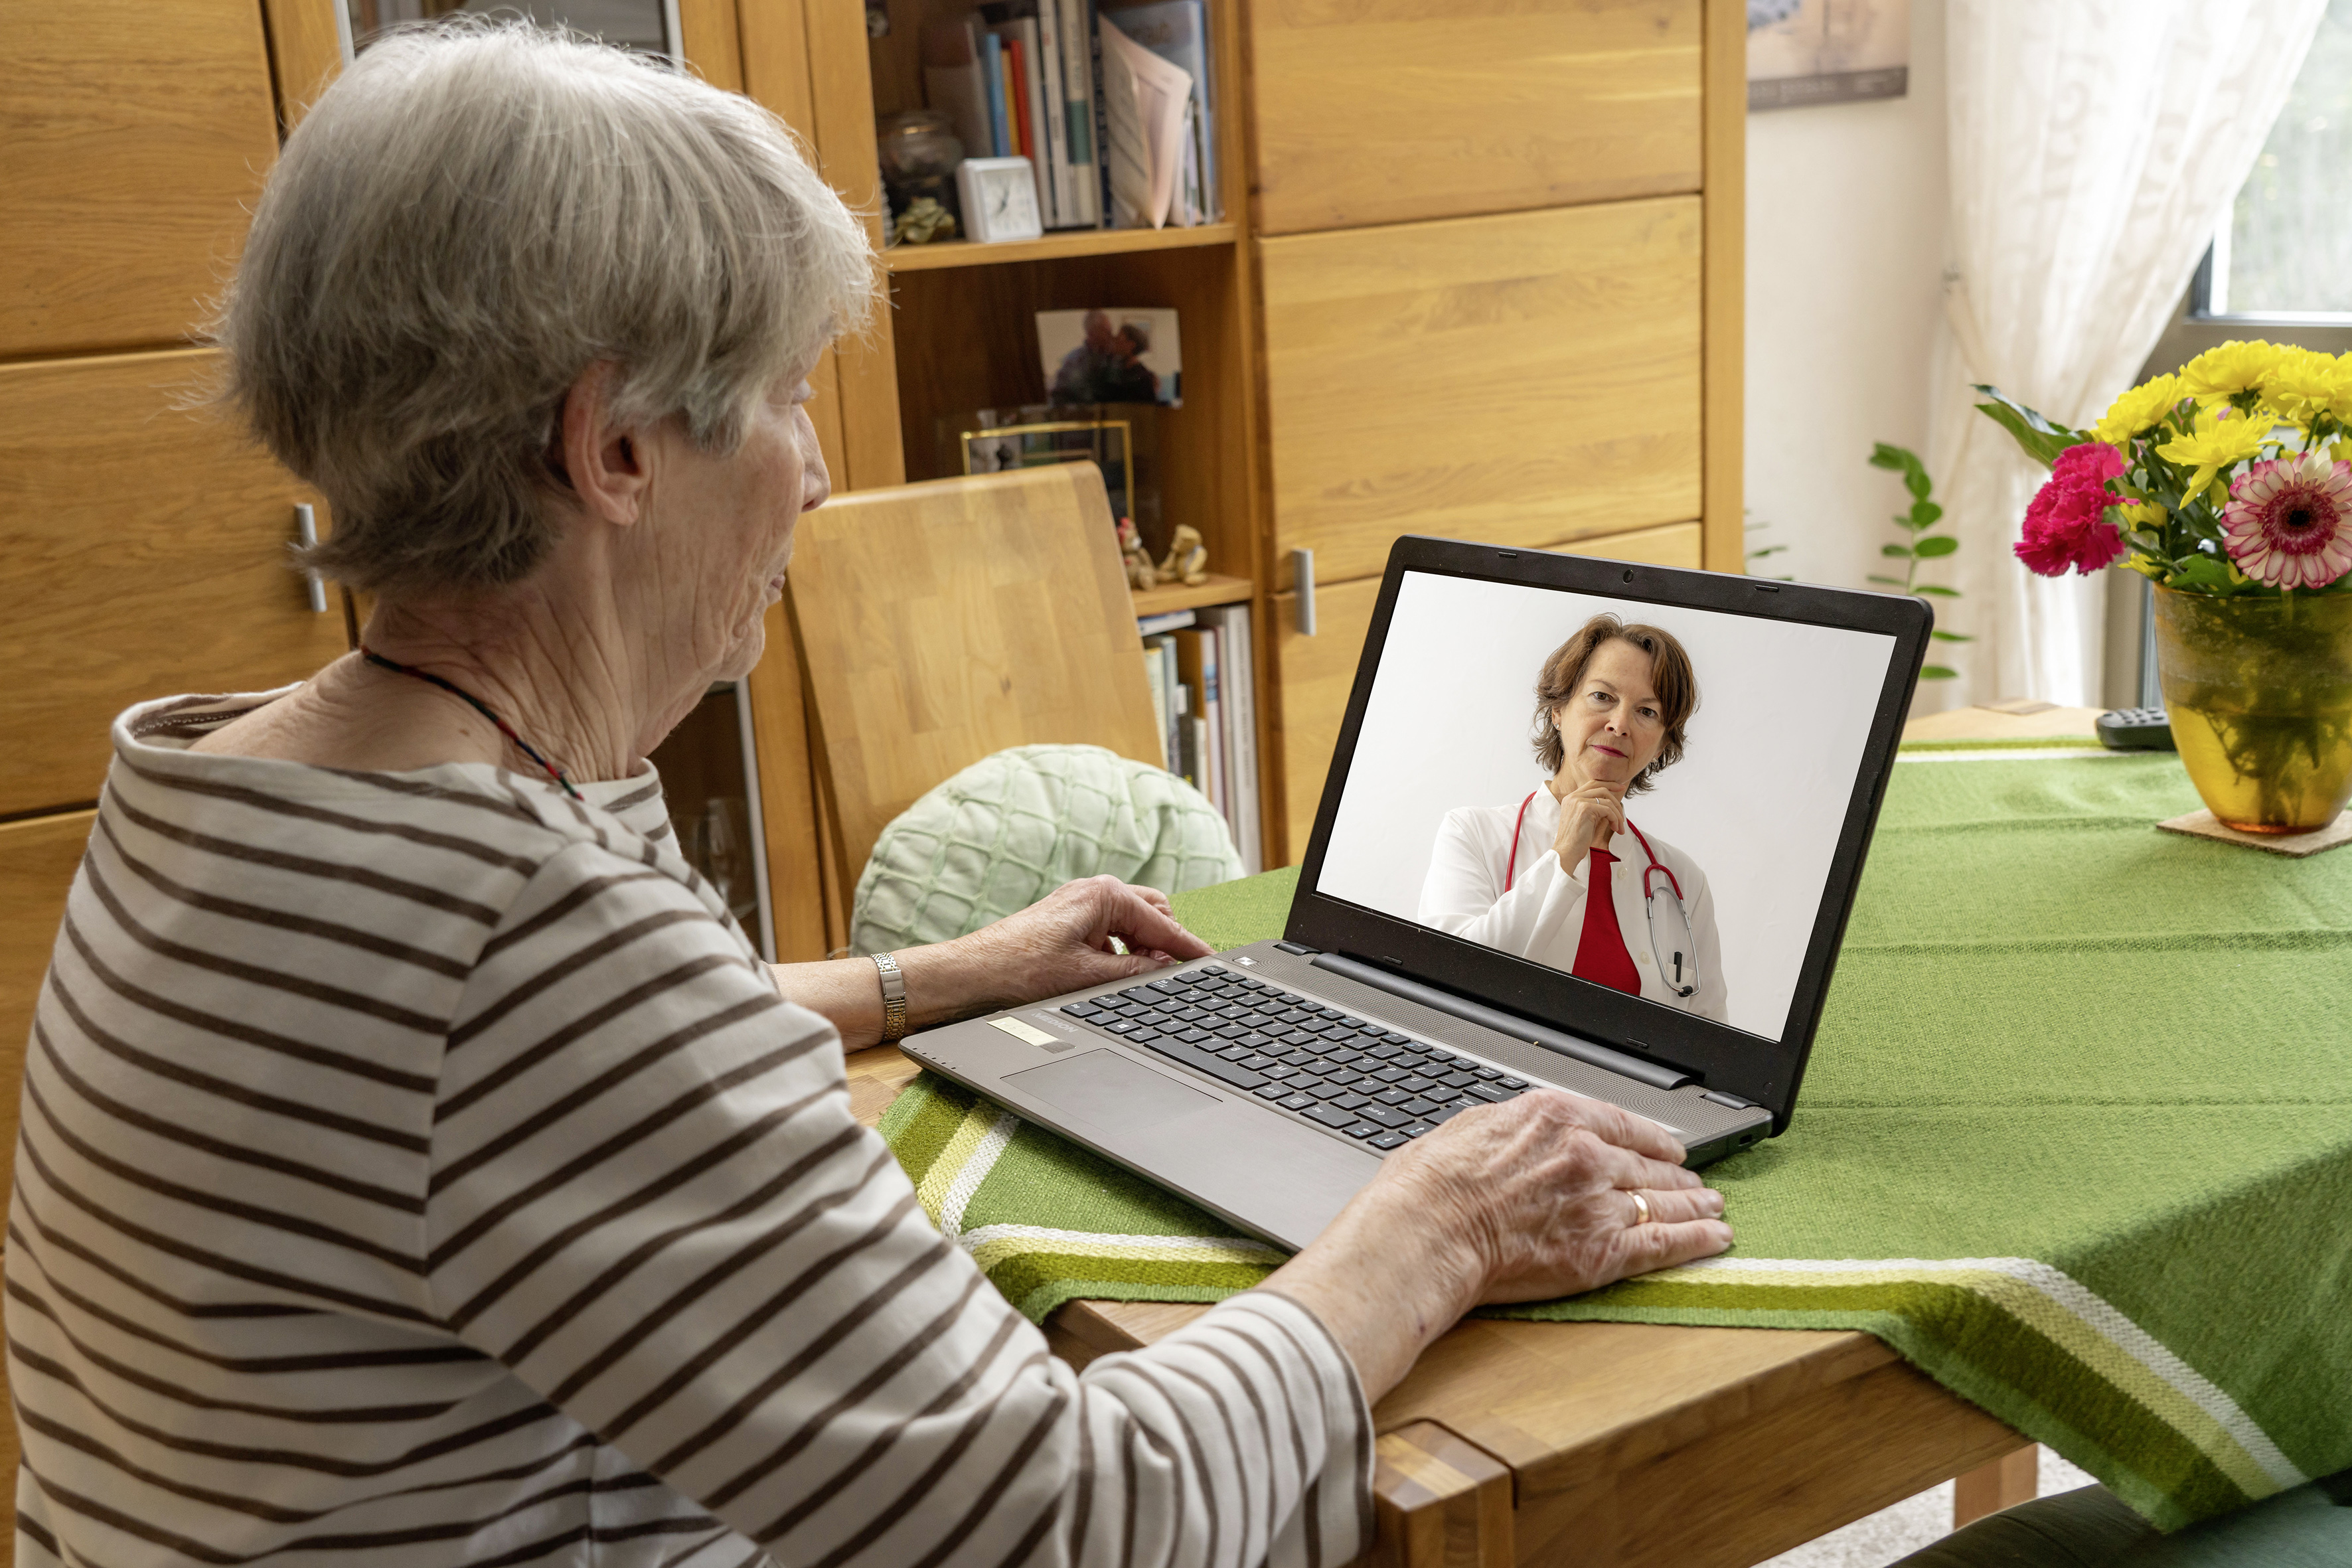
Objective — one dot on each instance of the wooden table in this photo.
(1630, 1443)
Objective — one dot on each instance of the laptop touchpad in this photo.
(1111, 1091)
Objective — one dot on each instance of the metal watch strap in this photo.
(894, 997)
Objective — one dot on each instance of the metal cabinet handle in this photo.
(1302, 579)
(306, 534)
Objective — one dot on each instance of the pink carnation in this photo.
(2067, 523)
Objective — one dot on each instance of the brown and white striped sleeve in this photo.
(649, 1200)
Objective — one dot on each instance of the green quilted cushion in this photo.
(1012, 827)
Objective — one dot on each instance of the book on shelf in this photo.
(992, 70)
(1178, 32)
(1237, 709)
(954, 82)
(1196, 667)
(1155, 674)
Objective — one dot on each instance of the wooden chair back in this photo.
(940, 622)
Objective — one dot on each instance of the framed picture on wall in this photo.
(1105, 443)
(1806, 52)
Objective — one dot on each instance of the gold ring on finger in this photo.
(1641, 1209)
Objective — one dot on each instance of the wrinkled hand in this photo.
(1589, 815)
(1541, 1187)
(1063, 942)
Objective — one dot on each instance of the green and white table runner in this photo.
(2075, 1138)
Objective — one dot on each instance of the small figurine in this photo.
(1187, 558)
(925, 222)
(1140, 573)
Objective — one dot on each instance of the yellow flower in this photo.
(2144, 513)
(2222, 437)
(2233, 368)
(2138, 410)
(2303, 384)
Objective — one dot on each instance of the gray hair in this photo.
(465, 223)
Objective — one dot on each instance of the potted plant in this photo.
(2229, 486)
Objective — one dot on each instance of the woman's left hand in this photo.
(1063, 942)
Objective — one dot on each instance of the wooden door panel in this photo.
(1373, 111)
(138, 136)
(1317, 673)
(142, 553)
(1523, 379)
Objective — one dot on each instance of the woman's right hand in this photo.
(1590, 815)
(1519, 1202)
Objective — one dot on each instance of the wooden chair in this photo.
(939, 623)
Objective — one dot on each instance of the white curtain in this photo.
(2095, 146)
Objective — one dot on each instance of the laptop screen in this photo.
(1524, 749)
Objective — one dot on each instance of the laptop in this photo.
(1431, 961)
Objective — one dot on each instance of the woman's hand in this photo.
(1590, 815)
(1061, 942)
(1518, 1202)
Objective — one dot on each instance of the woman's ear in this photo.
(606, 462)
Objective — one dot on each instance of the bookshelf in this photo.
(901, 258)
(1218, 590)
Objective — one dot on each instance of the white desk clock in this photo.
(1000, 199)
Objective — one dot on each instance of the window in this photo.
(2286, 249)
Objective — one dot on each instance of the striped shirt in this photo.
(420, 1168)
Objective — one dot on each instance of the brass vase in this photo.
(2260, 691)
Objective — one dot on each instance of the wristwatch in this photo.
(894, 997)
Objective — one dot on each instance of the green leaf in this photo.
(2202, 574)
(1926, 514)
(2041, 439)
(1900, 552)
(1929, 549)
(1952, 637)
(1890, 582)
(1937, 590)
(1938, 672)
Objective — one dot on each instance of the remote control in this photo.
(2136, 730)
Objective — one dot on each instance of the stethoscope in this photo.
(1670, 948)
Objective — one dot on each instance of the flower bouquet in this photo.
(2228, 485)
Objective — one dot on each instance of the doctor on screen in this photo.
(1565, 877)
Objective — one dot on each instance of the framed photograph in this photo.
(1806, 52)
(1116, 353)
(1109, 444)
(1000, 199)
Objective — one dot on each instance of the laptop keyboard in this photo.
(1356, 1078)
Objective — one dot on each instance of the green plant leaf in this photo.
(1890, 582)
(2041, 438)
(1926, 514)
(1938, 672)
(1900, 552)
(1952, 637)
(2201, 575)
(1929, 549)
(1937, 591)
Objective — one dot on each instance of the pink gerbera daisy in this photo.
(2289, 522)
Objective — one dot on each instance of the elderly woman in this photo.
(417, 1160)
(1564, 876)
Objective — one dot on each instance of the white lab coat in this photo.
(1542, 916)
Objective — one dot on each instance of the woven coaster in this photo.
(2203, 824)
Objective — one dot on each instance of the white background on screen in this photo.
(1767, 773)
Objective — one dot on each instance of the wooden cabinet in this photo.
(143, 552)
(1526, 379)
(1319, 672)
(1373, 111)
(137, 137)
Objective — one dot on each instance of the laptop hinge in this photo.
(1511, 1023)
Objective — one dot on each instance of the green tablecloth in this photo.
(2075, 1139)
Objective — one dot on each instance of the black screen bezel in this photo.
(1756, 1068)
